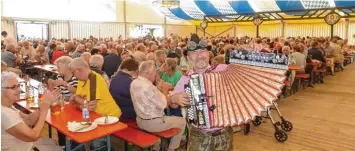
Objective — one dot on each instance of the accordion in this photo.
(232, 97)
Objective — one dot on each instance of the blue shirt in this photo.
(76, 54)
(119, 89)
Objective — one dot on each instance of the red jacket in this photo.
(56, 55)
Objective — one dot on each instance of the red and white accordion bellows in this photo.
(232, 97)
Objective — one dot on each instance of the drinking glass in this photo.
(56, 106)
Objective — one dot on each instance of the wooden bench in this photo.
(164, 135)
(301, 78)
(318, 74)
(137, 137)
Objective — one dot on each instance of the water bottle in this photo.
(85, 110)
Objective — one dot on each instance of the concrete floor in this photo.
(323, 118)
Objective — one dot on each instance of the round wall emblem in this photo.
(332, 18)
(204, 24)
(257, 21)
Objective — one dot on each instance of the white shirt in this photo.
(147, 100)
(9, 118)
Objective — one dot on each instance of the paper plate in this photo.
(110, 120)
(77, 127)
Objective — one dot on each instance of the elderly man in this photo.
(11, 59)
(21, 132)
(101, 102)
(28, 50)
(8, 39)
(79, 50)
(96, 63)
(103, 51)
(201, 139)
(88, 46)
(175, 49)
(69, 47)
(41, 55)
(149, 103)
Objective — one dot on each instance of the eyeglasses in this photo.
(13, 87)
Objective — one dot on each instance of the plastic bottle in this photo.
(85, 110)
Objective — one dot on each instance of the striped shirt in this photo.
(73, 82)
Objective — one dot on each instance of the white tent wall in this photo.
(270, 30)
(59, 29)
(112, 30)
(84, 29)
(8, 26)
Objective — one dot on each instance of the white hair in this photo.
(6, 76)
(78, 63)
(60, 47)
(139, 56)
(63, 60)
(146, 67)
(284, 48)
(96, 61)
(85, 54)
(103, 46)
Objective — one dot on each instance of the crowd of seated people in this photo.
(122, 67)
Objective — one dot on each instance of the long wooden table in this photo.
(48, 68)
(71, 113)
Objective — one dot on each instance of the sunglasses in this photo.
(15, 87)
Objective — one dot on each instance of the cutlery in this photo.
(106, 119)
(84, 127)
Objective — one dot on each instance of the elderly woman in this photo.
(86, 56)
(96, 62)
(17, 133)
(41, 55)
(172, 76)
(286, 50)
(120, 86)
(57, 53)
(139, 56)
(142, 48)
(79, 50)
(66, 82)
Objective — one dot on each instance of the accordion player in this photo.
(251, 84)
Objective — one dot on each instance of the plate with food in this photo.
(81, 126)
(106, 120)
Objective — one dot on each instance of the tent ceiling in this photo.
(196, 9)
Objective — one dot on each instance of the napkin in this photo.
(74, 126)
